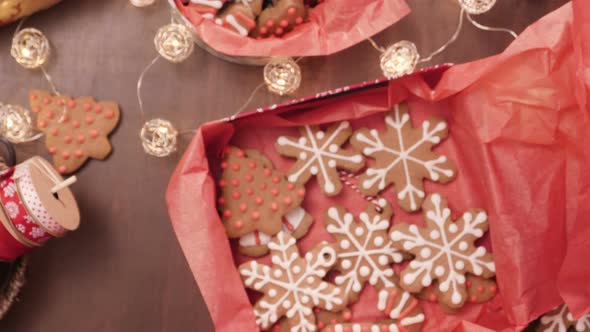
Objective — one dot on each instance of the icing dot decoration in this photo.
(174, 42)
(158, 137)
(142, 3)
(282, 76)
(477, 7)
(399, 59)
(15, 123)
(30, 48)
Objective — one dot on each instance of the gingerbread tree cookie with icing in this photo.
(75, 129)
(560, 319)
(366, 252)
(403, 157)
(444, 250)
(257, 201)
(293, 285)
(319, 153)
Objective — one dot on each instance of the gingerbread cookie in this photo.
(403, 157)
(207, 8)
(366, 252)
(240, 16)
(75, 129)
(256, 201)
(560, 319)
(281, 17)
(444, 250)
(319, 153)
(293, 285)
(479, 290)
(403, 310)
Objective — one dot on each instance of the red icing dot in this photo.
(68, 139)
(235, 182)
(227, 213)
(284, 23)
(255, 216)
(432, 298)
(52, 150)
(236, 195)
(46, 101)
(346, 315)
(55, 132)
(321, 325)
(65, 155)
(240, 154)
(249, 191)
(274, 206)
(89, 119)
(224, 164)
(226, 150)
(235, 167)
(42, 124)
(262, 186)
(64, 118)
(251, 164)
(238, 224)
(480, 288)
(243, 207)
(62, 169)
(276, 179)
(221, 200)
(98, 108)
(75, 124)
(468, 283)
(473, 298)
(263, 30)
(78, 153)
(81, 139)
(36, 109)
(274, 191)
(267, 171)
(60, 102)
(87, 107)
(287, 201)
(258, 200)
(493, 289)
(222, 183)
(249, 177)
(291, 11)
(278, 327)
(33, 96)
(270, 23)
(333, 321)
(316, 310)
(50, 115)
(301, 192)
(279, 31)
(94, 133)
(299, 20)
(72, 104)
(109, 114)
(290, 186)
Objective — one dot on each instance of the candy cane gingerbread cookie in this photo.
(257, 201)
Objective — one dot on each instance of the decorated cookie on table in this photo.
(560, 319)
(444, 251)
(75, 129)
(479, 290)
(293, 285)
(320, 154)
(403, 157)
(257, 201)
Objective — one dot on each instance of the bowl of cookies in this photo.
(252, 31)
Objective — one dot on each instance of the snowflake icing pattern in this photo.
(560, 319)
(320, 153)
(444, 251)
(403, 157)
(292, 286)
(366, 251)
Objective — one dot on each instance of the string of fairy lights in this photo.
(175, 42)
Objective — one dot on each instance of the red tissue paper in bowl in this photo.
(333, 25)
(519, 135)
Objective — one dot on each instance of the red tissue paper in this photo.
(519, 135)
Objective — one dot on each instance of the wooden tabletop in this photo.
(124, 270)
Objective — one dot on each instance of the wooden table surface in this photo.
(123, 270)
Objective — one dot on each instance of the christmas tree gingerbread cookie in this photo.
(444, 250)
(256, 201)
(319, 153)
(75, 129)
(403, 157)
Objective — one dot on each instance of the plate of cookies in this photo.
(250, 31)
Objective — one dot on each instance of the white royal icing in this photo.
(211, 3)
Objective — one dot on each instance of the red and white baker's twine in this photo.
(346, 177)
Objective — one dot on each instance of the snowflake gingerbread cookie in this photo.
(293, 285)
(403, 157)
(560, 319)
(444, 250)
(257, 201)
(479, 290)
(319, 153)
(366, 252)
